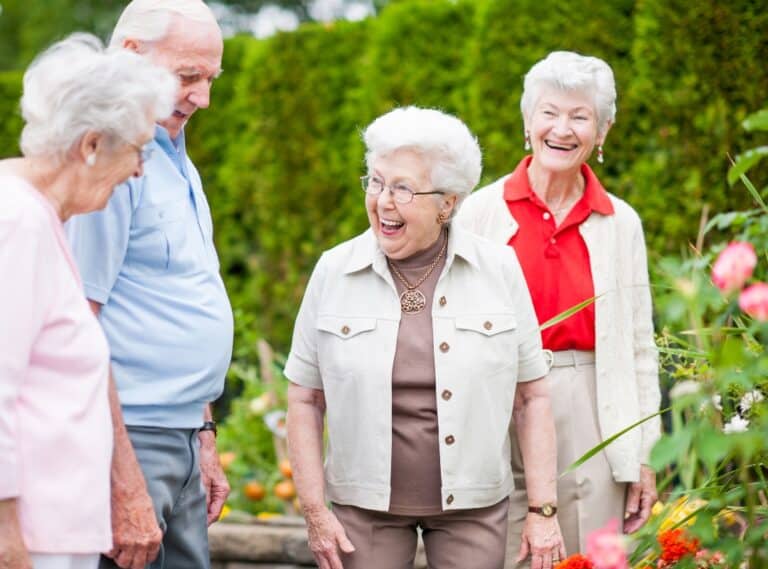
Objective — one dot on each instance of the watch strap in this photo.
(209, 426)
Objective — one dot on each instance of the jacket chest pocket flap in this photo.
(487, 324)
(344, 346)
(345, 327)
(157, 215)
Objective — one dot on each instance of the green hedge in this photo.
(280, 153)
(10, 124)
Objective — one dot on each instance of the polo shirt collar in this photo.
(367, 253)
(517, 187)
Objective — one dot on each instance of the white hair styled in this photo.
(570, 71)
(148, 20)
(76, 86)
(444, 140)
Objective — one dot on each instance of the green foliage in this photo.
(10, 126)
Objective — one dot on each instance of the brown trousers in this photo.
(459, 539)
(588, 497)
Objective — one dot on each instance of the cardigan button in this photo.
(488, 325)
(444, 347)
(449, 499)
(443, 301)
(446, 395)
(345, 330)
(449, 440)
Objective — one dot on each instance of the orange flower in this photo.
(675, 545)
(576, 561)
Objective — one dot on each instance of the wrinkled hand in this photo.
(135, 533)
(542, 540)
(326, 537)
(641, 497)
(214, 479)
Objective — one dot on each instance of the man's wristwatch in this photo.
(547, 510)
(209, 426)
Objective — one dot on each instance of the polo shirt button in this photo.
(447, 394)
(488, 325)
(553, 241)
(449, 440)
(443, 301)
(444, 347)
(546, 215)
(345, 329)
(449, 499)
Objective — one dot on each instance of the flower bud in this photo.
(734, 266)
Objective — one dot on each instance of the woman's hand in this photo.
(641, 497)
(541, 538)
(326, 538)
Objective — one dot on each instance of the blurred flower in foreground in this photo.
(734, 266)
(606, 548)
(753, 300)
(576, 561)
(685, 387)
(678, 512)
(749, 399)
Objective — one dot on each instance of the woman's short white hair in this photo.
(453, 152)
(76, 86)
(148, 20)
(569, 71)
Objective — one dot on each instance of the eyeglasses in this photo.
(144, 152)
(373, 186)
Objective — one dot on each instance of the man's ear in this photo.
(132, 45)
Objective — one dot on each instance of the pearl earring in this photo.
(90, 160)
(600, 157)
(527, 145)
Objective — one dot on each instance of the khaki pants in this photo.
(588, 497)
(459, 539)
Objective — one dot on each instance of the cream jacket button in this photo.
(345, 330)
(488, 325)
(449, 440)
(449, 499)
(444, 347)
(447, 394)
(443, 301)
(546, 215)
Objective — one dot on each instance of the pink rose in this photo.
(605, 547)
(734, 266)
(754, 301)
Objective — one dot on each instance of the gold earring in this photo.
(442, 217)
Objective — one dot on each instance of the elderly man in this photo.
(151, 272)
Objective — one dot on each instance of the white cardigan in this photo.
(626, 359)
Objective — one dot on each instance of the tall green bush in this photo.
(10, 125)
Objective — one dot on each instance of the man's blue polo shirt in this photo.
(149, 259)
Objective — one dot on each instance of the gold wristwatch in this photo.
(547, 510)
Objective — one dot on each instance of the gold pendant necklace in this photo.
(412, 300)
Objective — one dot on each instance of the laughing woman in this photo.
(416, 340)
(575, 241)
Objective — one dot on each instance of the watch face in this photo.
(547, 510)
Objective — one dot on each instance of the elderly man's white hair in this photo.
(569, 71)
(453, 152)
(148, 20)
(76, 86)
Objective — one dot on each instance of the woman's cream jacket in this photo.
(486, 339)
(626, 358)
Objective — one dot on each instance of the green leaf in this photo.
(670, 447)
(712, 446)
(745, 161)
(756, 121)
(567, 313)
(593, 451)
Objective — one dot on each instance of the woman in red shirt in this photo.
(576, 242)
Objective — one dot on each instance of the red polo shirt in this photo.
(555, 260)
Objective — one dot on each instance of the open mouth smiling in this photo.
(564, 147)
(389, 226)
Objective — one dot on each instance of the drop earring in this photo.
(90, 160)
(600, 157)
(527, 145)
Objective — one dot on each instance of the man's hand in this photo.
(542, 540)
(641, 497)
(326, 538)
(214, 479)
(13, 554)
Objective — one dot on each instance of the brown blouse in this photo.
(416, 482)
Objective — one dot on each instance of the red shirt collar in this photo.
(596, 198)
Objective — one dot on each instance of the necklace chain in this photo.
(425, 276)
